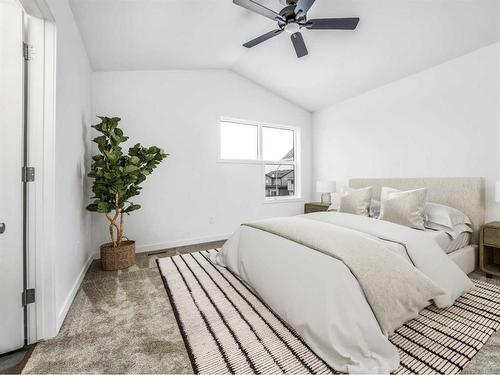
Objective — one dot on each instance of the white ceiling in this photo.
(394, 38)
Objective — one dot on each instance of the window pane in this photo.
(277, 144)
(280, 180)
(238, 141)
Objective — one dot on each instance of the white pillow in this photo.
(384, 193)
(403, 207)
(453, 231)
(335, 202)
(356, 201)
(444, 215)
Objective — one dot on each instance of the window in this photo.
(238, 141)
(274, 147)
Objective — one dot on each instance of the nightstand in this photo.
(489, 249)
(315, 207)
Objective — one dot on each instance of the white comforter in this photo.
(319, 297)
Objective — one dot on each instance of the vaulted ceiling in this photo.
(395, 38)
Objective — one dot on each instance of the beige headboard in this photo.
(463, 193)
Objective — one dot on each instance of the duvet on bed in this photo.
(343, 282)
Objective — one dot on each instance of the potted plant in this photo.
(116, 179)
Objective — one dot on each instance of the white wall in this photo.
(442, 122)
(73, 111)
(179, 111)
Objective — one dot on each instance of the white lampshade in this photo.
(325, 186)
(497, 191)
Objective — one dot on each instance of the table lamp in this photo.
(325, 188)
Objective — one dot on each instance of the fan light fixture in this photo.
(292, 28)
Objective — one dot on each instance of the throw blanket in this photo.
(395, 290)
(421, 249)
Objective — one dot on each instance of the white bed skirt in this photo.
(467, 258)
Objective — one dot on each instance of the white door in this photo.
(11, 189)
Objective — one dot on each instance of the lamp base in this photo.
(326, 198)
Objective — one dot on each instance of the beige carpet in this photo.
(122, 322)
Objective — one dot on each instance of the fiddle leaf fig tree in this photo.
(117, 176)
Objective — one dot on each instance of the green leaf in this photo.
(103, 207)
(92, 207)
(131, 168)
(102, 140)
(132, 207)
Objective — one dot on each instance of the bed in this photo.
(463, 193)
(346, 282)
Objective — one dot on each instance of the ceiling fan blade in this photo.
(298, 44)
(333, 24)
(262, 38)
(260, 9)
(302, 7)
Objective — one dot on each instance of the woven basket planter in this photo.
(117, 258)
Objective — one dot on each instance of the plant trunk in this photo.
(112, 233)
(120, 229)
(115, 231)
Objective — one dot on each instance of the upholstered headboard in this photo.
(463, 193)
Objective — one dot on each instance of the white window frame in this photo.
(259, 161)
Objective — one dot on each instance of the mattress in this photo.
(467, 258)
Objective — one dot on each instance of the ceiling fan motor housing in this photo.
(288, 13)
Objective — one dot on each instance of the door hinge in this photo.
(28, 296)
(28, 51)
(28, 174)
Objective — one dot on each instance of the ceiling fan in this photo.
(291, 19)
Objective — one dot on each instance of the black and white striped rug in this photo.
(228, 329)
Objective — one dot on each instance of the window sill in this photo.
(283, 200)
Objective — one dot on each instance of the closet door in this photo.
(11, 188)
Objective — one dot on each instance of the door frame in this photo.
(42, 316)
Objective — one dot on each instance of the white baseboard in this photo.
(72, 293)
(171, 244)
(189, 241)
